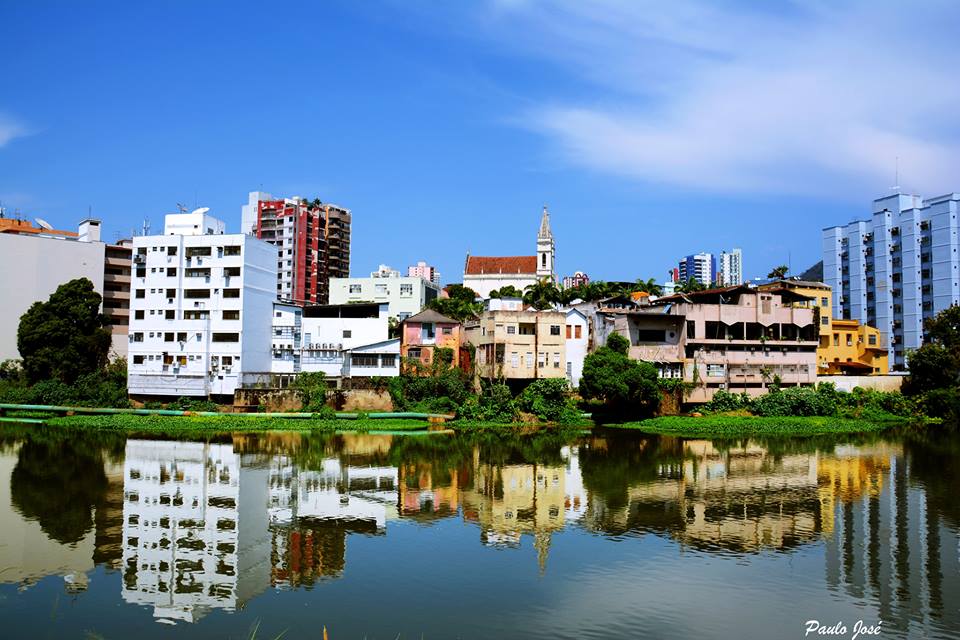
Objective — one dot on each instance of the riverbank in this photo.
(186, 425)
(741, 426)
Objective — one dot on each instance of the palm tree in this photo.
(541, 295)
(779, 273)
(690, 286)
(648, 286)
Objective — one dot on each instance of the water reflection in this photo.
(194, 527)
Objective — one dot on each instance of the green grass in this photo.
(185, 425)
(739, 426)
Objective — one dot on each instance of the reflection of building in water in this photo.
(511, 500)
(311, 513)
(27, 553)
(890, 542)
(183, 539)
(742, 499)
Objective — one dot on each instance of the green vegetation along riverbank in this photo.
(740, 426)
(186, 425)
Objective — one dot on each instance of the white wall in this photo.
(388, 290)
(576, 347)
(33, 268)
(483, 284)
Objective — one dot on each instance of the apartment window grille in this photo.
(555, 330)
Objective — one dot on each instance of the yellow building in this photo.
(846, 346)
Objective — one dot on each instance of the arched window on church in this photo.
(543, 259)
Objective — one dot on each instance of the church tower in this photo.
(546, 249)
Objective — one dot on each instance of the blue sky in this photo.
(650, 130)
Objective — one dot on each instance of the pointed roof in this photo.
(545, 231)
(429, 315)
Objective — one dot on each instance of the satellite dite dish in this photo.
(201, 210)
(43, 223)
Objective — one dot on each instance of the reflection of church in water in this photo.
(194, 527)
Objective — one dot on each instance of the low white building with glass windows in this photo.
(201, 303)
(405, 296)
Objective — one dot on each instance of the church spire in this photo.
(545, 231)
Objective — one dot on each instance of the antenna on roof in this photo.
(44, 224)
(181, 208)
(146, 226)
(896, 175)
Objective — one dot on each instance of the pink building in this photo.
(425, 271)
(423, 333)
(735, 338)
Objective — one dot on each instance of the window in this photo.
(872, 339)
(355, 288)
(380, 289)
(824, 302)
(406, 289)
(232, 250)
(514, 359)
(569, 331)
(849, 340)
(137, 359)
(363, 360)
(182, 336)
(141, 293)
(197, 273)
(171, 251)
(138, 314)
(193, 252)
(138, 337)
(715, 370)
(691, 329)
(427, 331)
(225, 337)
(556, 359)
(447, 331)
(554, 329)
(529, 359)
(226, 360)
(231, 315)
(651, 335)
(511, 329)
(170, 314)
(388, 360)
(196, 293)
(168, 336)
(231, 271)
(231, 293)
(825, 320)
(541, 359)
(347, 333)
(836, 339)
(577, 332)
(171, 272)
(414, 353)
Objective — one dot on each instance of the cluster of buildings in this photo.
(200, 312)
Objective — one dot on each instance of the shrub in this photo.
(312, 387)
(725, 401)
(549, 400)
(437, 387)
(627, 388)
(942, 403)
(193, 404)
(796, 401)
(494, 404)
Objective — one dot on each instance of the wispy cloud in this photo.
(10, 129)
(811, 98)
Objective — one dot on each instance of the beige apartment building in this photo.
(519, 344)
(735, 338)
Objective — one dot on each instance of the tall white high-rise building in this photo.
(200, 309)
(730, 268)
(896, 269)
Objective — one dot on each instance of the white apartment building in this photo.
(35, 261)
(577, 334)
(200, 309)
(405, 296)
(896, 269)
(339, 340)
(730, 268)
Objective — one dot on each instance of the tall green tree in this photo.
(66, 336)
(542, 295)
(628, 388)
(779, 273)
(648, 286)
(460, 305)
(506, 291)
(936, 364)
(692, 285)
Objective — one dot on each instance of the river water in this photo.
(601, 535)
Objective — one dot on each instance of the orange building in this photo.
(422, 334)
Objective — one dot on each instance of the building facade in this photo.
(730, 268)
(425, 271)
(36, 260)
(404, 295)
(896, 269)
(846, 346)
(702, 267)
(422, 334)
(312, 240)
(519, 345)
(578, 279)
(736, 338)
(484, 274)
(201, 307)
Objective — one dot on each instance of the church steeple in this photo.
(546, 249)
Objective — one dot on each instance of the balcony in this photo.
(119, 279)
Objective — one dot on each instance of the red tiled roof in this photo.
(477, 265)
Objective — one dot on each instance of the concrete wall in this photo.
(880, 383)
(280, 400)
(33, 268)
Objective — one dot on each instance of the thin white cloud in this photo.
(10, 129)
(815, 99)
